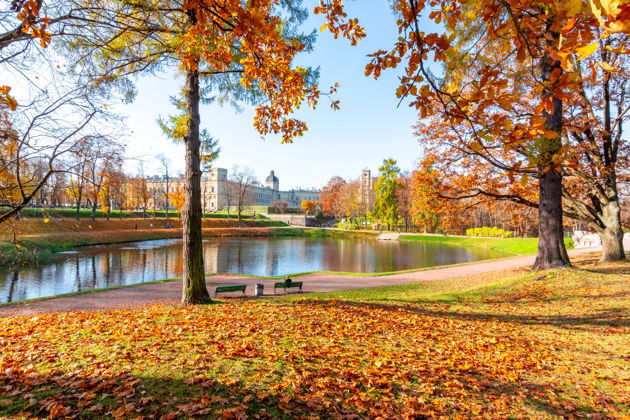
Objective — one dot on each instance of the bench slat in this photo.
(225, 289)
(288, 284)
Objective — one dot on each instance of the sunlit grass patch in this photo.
(515, 246)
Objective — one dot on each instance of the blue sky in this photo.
(368, 128)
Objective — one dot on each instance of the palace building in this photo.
(218, 191)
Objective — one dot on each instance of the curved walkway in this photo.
(170, 292)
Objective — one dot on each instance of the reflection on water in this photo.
(139, 262)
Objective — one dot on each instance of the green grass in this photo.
(516, 246)
(320, 233)
(26, 251)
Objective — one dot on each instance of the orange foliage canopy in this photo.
(33, 24)
(177, 199)
(331, 197)
(250, 39)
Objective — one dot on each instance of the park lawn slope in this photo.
(499, 345)
(516, 246)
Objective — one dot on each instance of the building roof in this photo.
(272, 178)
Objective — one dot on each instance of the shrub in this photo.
(489, 231)
(347, 225)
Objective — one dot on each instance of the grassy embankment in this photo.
(514, 246)
(498, 345)
(39, 239)
(38, 213)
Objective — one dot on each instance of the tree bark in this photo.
(79, 207)
(551, 250)
(194, 287)
(612, 235)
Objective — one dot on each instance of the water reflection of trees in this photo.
(118, 265)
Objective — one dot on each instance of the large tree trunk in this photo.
(612, 235)
(551, 250)
(194, 287)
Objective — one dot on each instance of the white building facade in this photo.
(217, 191)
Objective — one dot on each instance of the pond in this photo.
(138, 262)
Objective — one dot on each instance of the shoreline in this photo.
(169, 291)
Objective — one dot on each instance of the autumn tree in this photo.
(137, 194)
(350, 205)
(104, 158)
(56, 191)
(242, 180)
(21, 24)
(427, 209)
(386, 191)
(309, 206)
(227, 50)
(38, 141)
(507, 77)
(112, 193)
(331, 197)
(280, 205)
(177, 199)
(49, 97)
(403, 200)
(595, 154)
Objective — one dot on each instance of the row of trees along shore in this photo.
(526, 91)
(416, 201)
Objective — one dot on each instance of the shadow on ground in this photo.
(34, 395)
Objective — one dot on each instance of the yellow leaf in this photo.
(573, 7)
(607, 67)
(611, 7)
(323, 27)
(587, 50)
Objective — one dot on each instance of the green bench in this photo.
(228, 289)
(286, 285)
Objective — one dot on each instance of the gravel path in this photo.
(170, 292)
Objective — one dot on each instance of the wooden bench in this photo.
(228, 289)
(286, 285)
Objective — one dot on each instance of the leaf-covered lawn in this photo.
(517, 347)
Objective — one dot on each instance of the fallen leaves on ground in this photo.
(508, 354)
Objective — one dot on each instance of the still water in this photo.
(139, 262)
